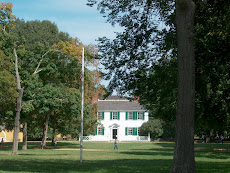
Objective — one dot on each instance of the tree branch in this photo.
(16, 70)
(4, 30)
(36, 70)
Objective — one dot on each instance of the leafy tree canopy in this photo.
(154, 127)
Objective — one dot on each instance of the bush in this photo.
(154, 127)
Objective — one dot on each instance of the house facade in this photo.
(119, 118)
(7, 135)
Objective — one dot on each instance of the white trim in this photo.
(4, 138)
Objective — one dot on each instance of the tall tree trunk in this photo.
(45, 130)
(24, 144)
(183, 160)
(54, 128)
(18, 108)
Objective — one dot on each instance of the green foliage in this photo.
(49, 75)
(130, 59)
(39, 35)
(169, 132)
(138, 46)
(154, 127)
(8, 88)
(212, 65)
(158, 89)
(6, 16)
(48, 98)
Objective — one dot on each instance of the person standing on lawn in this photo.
(55, 143)
(217, 139)
(115, 144)
(203, 138)
(222, 138)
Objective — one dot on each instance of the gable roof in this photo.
(115, 103)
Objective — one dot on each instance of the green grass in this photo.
(131, 157)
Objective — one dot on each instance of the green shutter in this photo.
(103, 131)
(96, 131)
(103, 115)
(134, 131)
(126, 131)
(118, 115)
(134, 115)
(143, 116)
(126, 116)
(111, 115)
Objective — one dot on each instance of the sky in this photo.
(71, 16)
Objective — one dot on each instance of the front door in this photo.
(114, 133)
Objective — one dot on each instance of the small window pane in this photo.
(130, 115)
(99, 131)
(140, 115)
(130, 131)
(99, 115)
(115, 115)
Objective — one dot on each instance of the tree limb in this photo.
(16, 70)
(36, 70)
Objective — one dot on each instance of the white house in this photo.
(119, 118)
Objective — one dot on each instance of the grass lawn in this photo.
(100, 157)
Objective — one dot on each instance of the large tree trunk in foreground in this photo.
(18, 107)
(24, 144)
(184, 161)
(45, 130)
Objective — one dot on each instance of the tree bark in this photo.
(24, 144)
(18, 108)
(183, 160)
(45, 130)
(54, 128)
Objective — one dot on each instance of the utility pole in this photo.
(82, 103)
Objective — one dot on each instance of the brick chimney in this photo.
(136, 99)
(95, 97)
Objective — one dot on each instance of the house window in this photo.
(141, 115)
(130, 115)
(130, 131)
(100, 131)
(99, 115)
(114, 115)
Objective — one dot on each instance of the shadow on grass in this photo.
(159, 154)
(207, 150)
(150, 152)
(212, 167)
(212, 154)
(37, 145)
(42, 154)
(110, 166)
(165, 144)
(121, 165)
